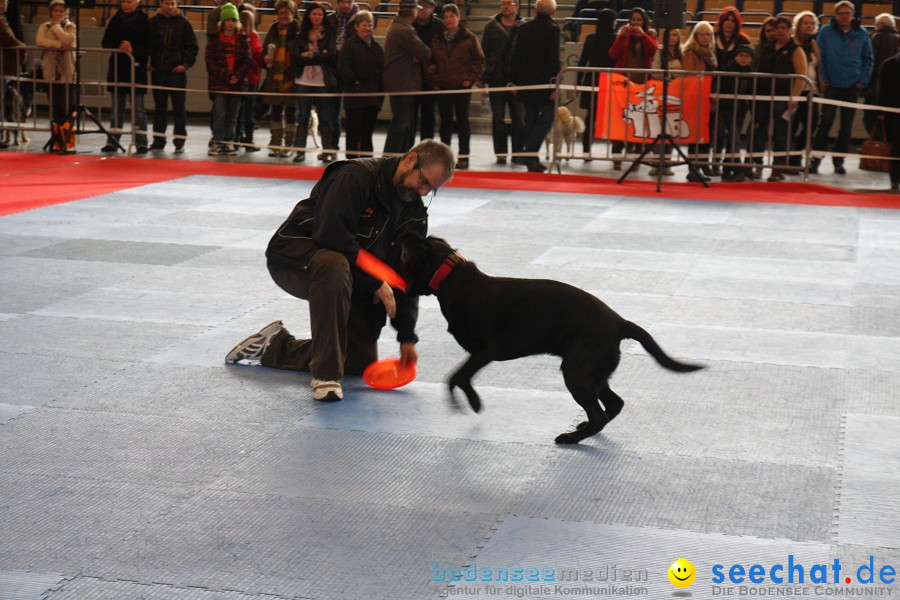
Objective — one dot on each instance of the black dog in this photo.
(501, 318)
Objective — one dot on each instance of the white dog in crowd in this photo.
(566, 128)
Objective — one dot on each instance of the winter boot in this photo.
(300, 134)
(277, 139)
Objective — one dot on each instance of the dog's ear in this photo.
(411, 243)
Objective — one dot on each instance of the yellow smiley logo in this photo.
(682, 573)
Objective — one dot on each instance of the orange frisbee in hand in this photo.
(376, 268)
(387, 374)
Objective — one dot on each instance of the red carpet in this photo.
(33, 180)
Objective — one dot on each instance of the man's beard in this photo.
(408, 194)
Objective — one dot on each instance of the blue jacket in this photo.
(846, 57)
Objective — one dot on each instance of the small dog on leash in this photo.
(502, 318)
(17, 107)
(566, 128)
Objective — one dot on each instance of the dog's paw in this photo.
(451, 399)
(582, 425)
(475, 402)
(568, 438)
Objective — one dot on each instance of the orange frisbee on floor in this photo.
(369, 263)
(387, 374)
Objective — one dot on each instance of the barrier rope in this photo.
(485, 90)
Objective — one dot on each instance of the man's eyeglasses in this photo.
(508, 3)
(425, 186)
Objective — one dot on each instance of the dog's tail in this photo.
(637, 333)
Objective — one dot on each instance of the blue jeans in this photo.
(140, 114)
(325, 108)
(225, 114)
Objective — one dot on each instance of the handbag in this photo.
(872, 147)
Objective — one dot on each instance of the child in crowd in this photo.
(246, 120)
(228, 62)
(732, 111)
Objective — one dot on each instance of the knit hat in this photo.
(229, 11)
(746, 49)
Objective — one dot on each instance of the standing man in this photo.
(405, 56)
(313, 255)
(495, 41)
(535, 61)
(10, 57)
(427, 25)
(173, 50)
(344, 11)
(129, 31)
(846, 69)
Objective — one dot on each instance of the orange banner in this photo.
(632, 112)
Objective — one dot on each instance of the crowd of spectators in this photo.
(837, 59)
(330, 60)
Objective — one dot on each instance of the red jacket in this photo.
(256, 50)
(217, 64)
(619, 50)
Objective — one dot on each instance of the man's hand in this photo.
(385, 295)
(408, 354)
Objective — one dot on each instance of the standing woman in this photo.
(57, 37)
(361, 63)
(595, 54)
(729, 37)
(246, 120)
(781, 57)
(699, 55)
(634, 47)
(766, 36)
(228, 62)
(671, 52)
(316, 58)
(457, 62)
(280, 42)
(806, 25)
(671, 48)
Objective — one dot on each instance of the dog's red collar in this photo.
(446, 267)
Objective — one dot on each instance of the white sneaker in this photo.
(252, 348)
(327, 391)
